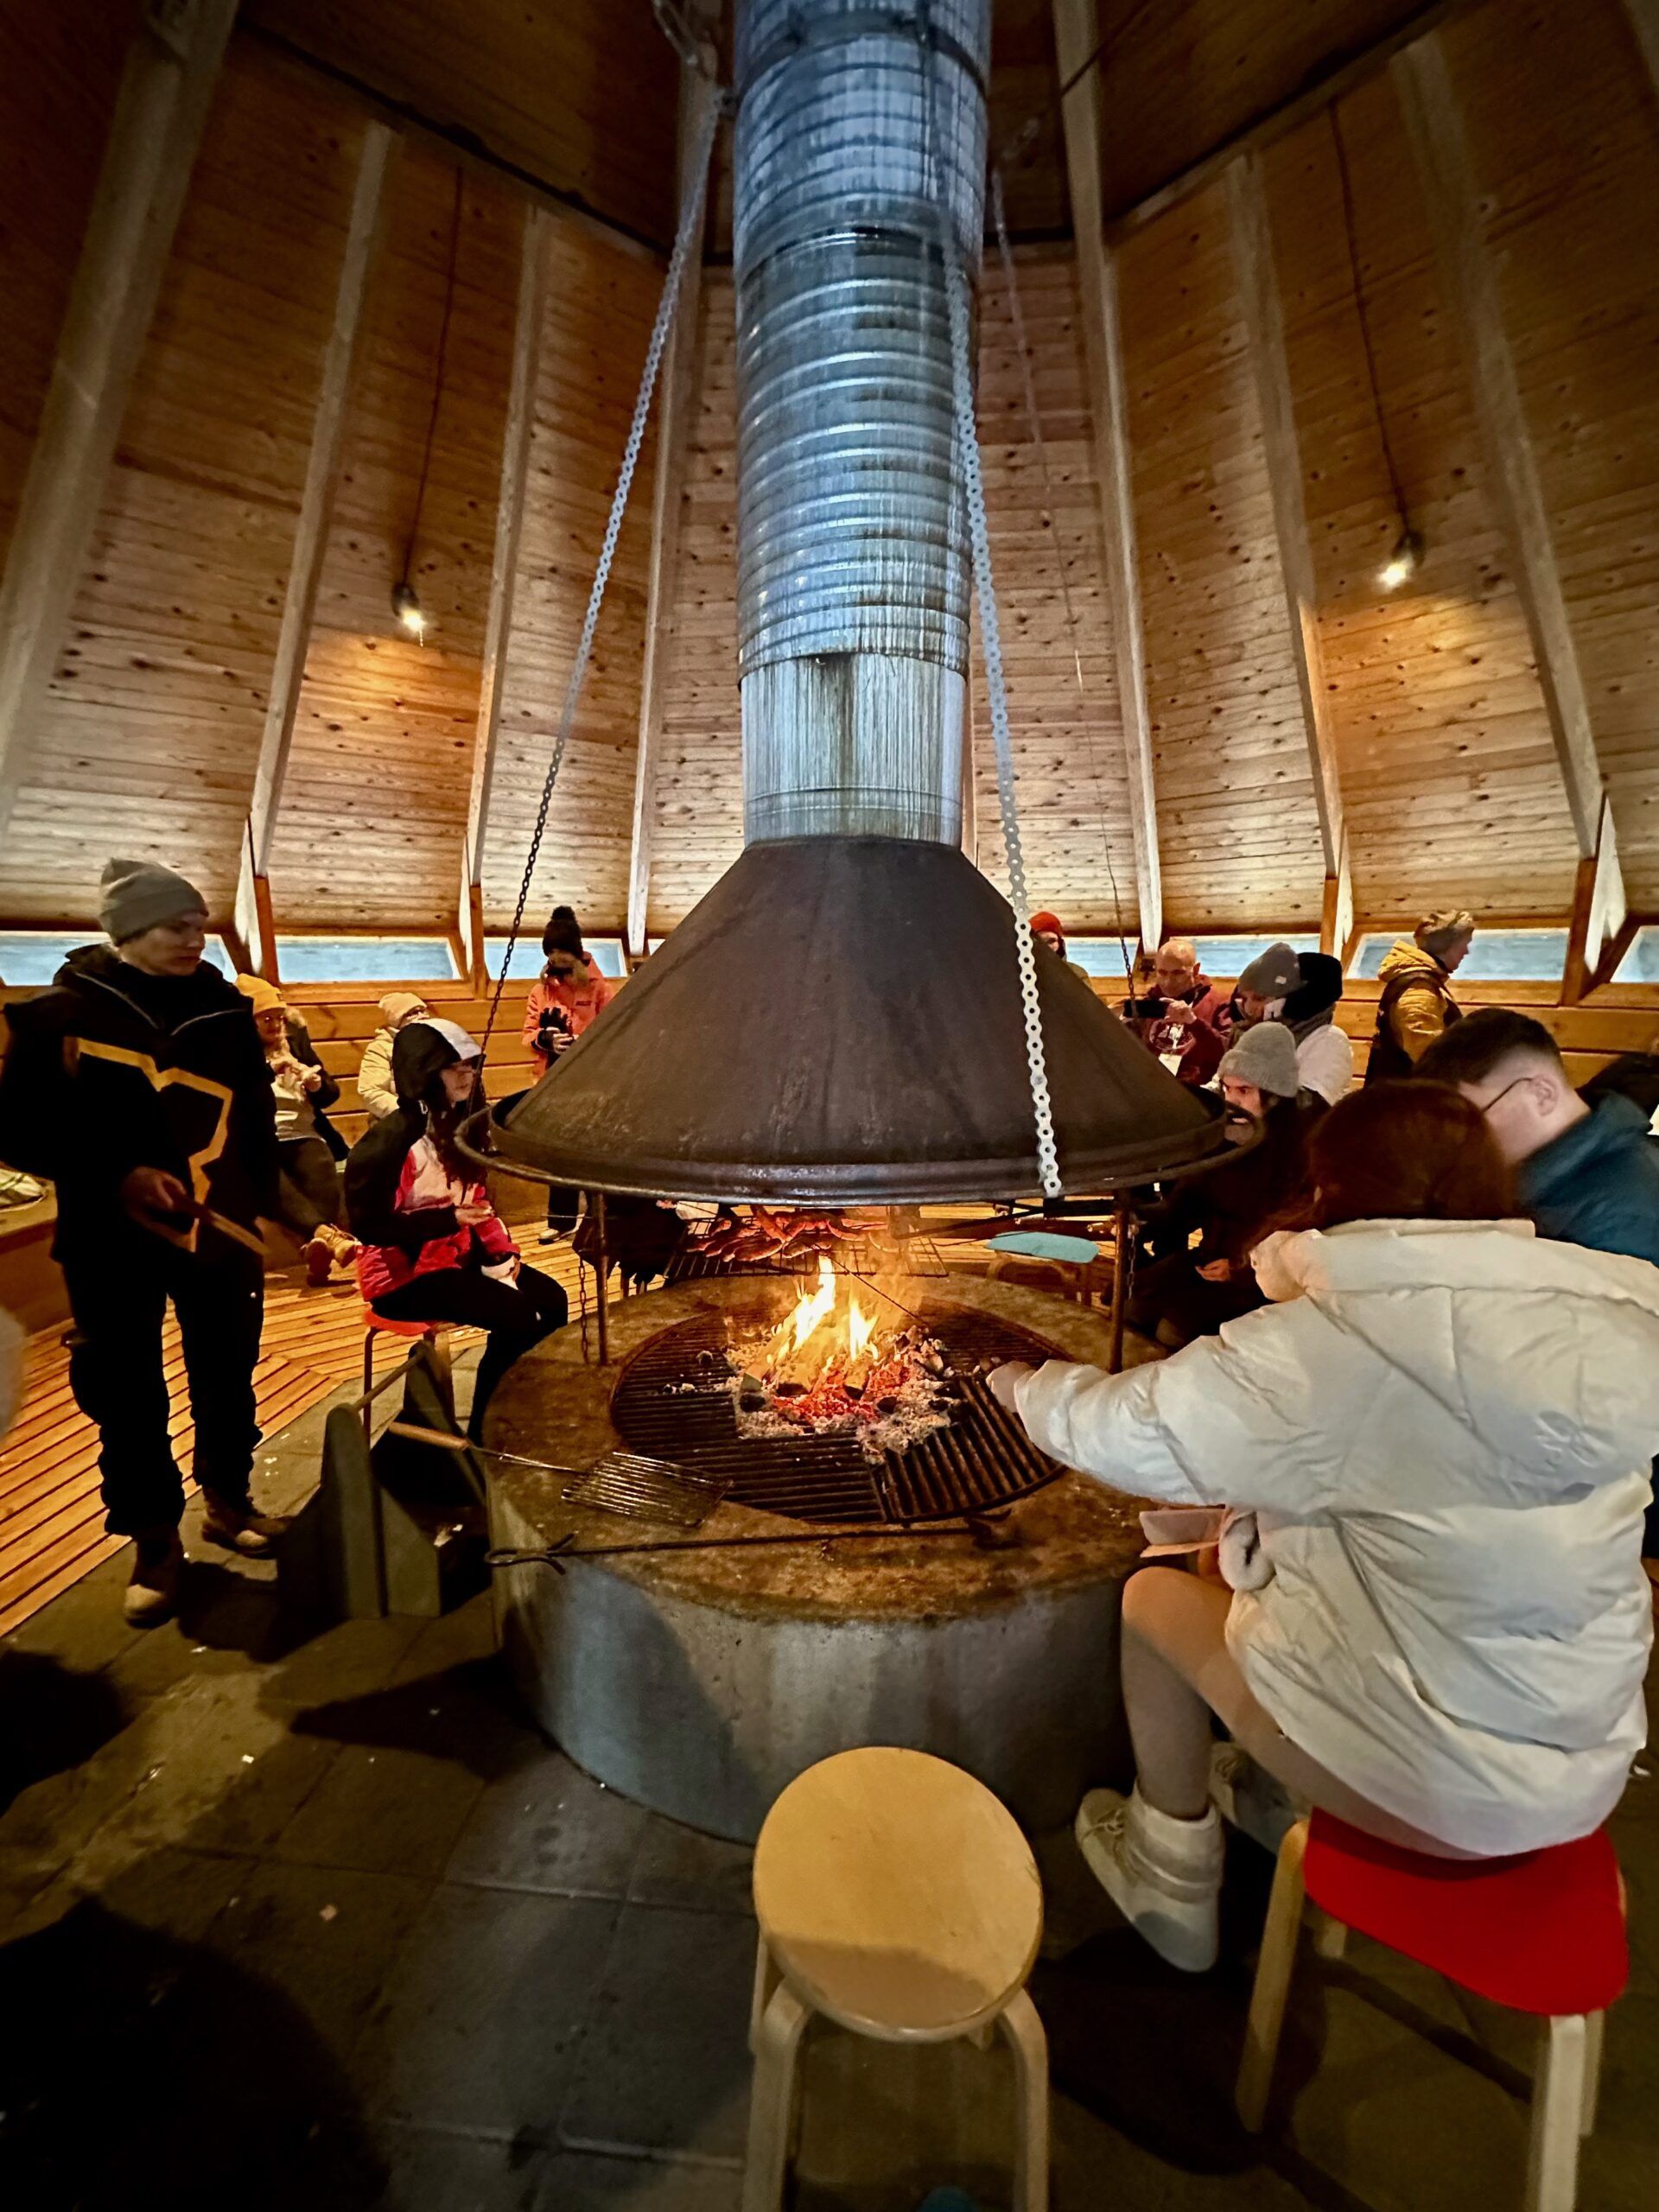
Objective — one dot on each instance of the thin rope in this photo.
(1351, 232)
(958, 304)
(690, 230)
(1034, 417)
(438, 378)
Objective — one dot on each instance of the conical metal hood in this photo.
(837, 1023)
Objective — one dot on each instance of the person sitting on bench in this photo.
(434, 1249)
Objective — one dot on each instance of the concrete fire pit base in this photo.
(700, 1683)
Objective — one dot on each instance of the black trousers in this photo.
(308, 1188)
(516, 1315)
(118, 1296)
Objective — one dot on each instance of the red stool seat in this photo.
(1542, 1933)
(386, 1327)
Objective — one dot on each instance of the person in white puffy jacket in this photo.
(1442, 1427)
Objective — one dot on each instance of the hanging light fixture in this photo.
(1402, 564)
(406, 606)
(405, 600)
(1404, 561)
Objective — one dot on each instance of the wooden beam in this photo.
(317, 500)
(1077, 32)
(1600, 911)
(160, 114)
(1334, 80)
(504, 573)
(1613, 952)
(1252, 244)
(1470, 298)
(1337, 913)
(681, 370)
(1644, 22)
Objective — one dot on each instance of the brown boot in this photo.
(239, 1528)
(330, 1247)
(152, 1593)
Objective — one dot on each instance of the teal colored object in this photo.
(947, 2200)
(1046, 1244)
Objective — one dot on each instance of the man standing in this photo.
(1416, 1005)
(1184, 1019)
(137, 1084)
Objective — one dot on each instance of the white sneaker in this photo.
(1164, 1875)
(1251, 1800)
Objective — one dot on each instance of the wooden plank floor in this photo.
(51, 1516)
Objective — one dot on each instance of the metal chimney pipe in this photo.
(856, 125)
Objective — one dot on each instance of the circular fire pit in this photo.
(700, 1681)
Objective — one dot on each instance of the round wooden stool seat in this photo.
(897, 1895)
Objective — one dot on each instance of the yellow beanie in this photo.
(263, 997)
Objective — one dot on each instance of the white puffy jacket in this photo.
(1445, 1428)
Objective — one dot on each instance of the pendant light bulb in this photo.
(406, 606)
(1402, 563)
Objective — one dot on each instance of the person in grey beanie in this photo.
(1301, 990)
(1191, 1292)
(137, 1084)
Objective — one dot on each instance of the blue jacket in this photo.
(1597, 1183)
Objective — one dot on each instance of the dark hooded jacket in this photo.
(112, 1070)
(1313, 1002)
(401, 1197)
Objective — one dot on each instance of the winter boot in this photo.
(239, 1528)
(152, 1593)
(330, 1247)
(1164, 1875)
(1249, 1799)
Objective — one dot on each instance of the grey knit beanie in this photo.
(135, 895)
(1266, 1056)
(1273, 974)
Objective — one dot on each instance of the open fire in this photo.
(850, 1359)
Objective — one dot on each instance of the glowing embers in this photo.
(850, 1359)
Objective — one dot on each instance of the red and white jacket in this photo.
(402, 1202)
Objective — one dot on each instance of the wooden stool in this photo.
(1543, 1933)
(434, 1334)
(896, 1897)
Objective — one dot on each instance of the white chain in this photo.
(690, 232)
(956, 289)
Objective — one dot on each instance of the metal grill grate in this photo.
(982, 1461)
(648, 1490)
(868, 1262)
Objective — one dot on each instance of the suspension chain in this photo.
(990, 639)
(691, 232)
(1033, 416)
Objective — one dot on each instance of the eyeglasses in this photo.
(1504, 1093)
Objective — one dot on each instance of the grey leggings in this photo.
(307, 1188)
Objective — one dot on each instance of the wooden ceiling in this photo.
(1441, 728)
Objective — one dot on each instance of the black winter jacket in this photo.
(112, 1070)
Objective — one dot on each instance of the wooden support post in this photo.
(1644, 22)
(1252, 243)
(1600, 913)
(681, 378)
(1469, 295)
(160, 114)
(503, 575)
(317, 500)
(1077, 34)
(1336, 915)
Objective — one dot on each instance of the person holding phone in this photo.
(138, 1086)
(432, 1246)
(566, 998)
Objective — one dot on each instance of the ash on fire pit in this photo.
(675, 1399)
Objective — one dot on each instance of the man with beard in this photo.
(1213, 1221)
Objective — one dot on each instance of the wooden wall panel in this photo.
(370, 826)
(581, 93)
(1564, 137)
(1238, 832)
(1448, 775)
(57, 94)
(152, 723)
(697, 797)
(600, 304)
